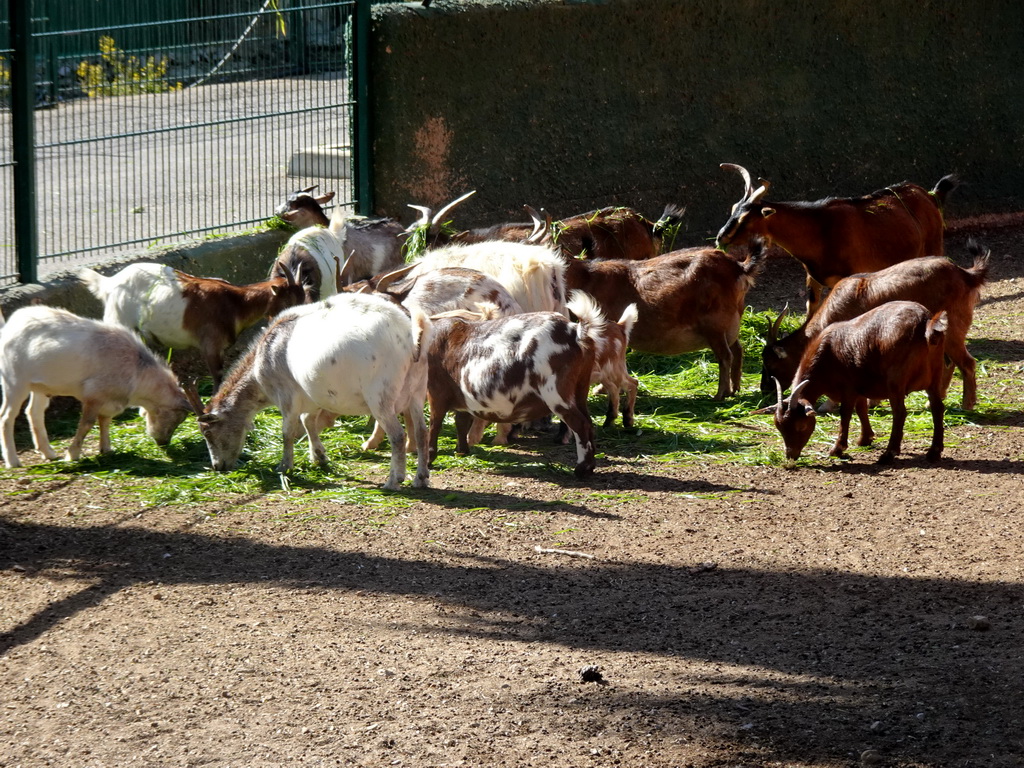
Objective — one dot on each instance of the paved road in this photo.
(188, 160)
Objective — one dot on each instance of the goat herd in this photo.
(480, 325)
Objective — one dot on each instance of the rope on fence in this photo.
(234, 47)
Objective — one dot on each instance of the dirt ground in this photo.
(835, 615)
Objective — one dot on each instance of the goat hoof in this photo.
(886, 458)
(583, 470)
(934, 454)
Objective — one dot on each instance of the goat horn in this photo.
(388, 278)
(797, 390)
(346, 272)
(778, 388)
(422, 221)
(192, 395)
(307, 190)
(760, 192)
(773, 332)
(742, 172)
(538, 224)
(439, 216)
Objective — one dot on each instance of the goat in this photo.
(514, 369)
(614, 232)
(443, 290)
(366, 246)
(885, 353)
(533, 274)
(46, 351)
(837, 237)
(182, 311)
(611, 373)
(933, 281)
(350, 354)
(315, 257)
(686, 300)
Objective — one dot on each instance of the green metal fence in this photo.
(125, 124)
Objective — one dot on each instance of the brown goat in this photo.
(686, 300)
(837, 237)
(614, 232)
(885, 353)
(935, 282)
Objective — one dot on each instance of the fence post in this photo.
(26, 233)
(362, 142)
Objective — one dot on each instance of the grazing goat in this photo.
(614, 232)
(933, 281)
(314, 256)
(533, 274)
(885, 353)
(366, 246)
(514, 369)
(46, 352)
(351, 354)
(182, 311)
(837, 237)
(686, 300)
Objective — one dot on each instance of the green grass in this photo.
(677, 423)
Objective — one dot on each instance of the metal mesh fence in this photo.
(147, 131)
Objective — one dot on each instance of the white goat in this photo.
(46, 351)
(533, 274)
(315, 256)
(351, 354)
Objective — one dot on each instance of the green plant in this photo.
(120, 74)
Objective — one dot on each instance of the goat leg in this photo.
(85, 423)
(867, 434)
(938, 409)
(314, 423)
(396, 436)
(899, 418)
(843, 439)
(416, 426)
(37, 405)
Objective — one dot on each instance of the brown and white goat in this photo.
(837, 237)
(885, 353)
(686, 300)
(350, 354)
(515, 369)
(181, 311)
(46, 351)
(935, 282)
(364, 246)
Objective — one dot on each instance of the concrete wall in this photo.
(242, 259)
(573, 105)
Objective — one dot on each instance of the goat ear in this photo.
(766, 212)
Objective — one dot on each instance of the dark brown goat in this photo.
(614, 232)
(886, 353)
(935, 282)
(686, 300)
(837, 237)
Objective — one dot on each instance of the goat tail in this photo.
(422, 330)
(977, 273)
(672, 216)
(944, 186)
(754, 263)
(591, 318)
(94, 281)
(628, 320)
(936, 327)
